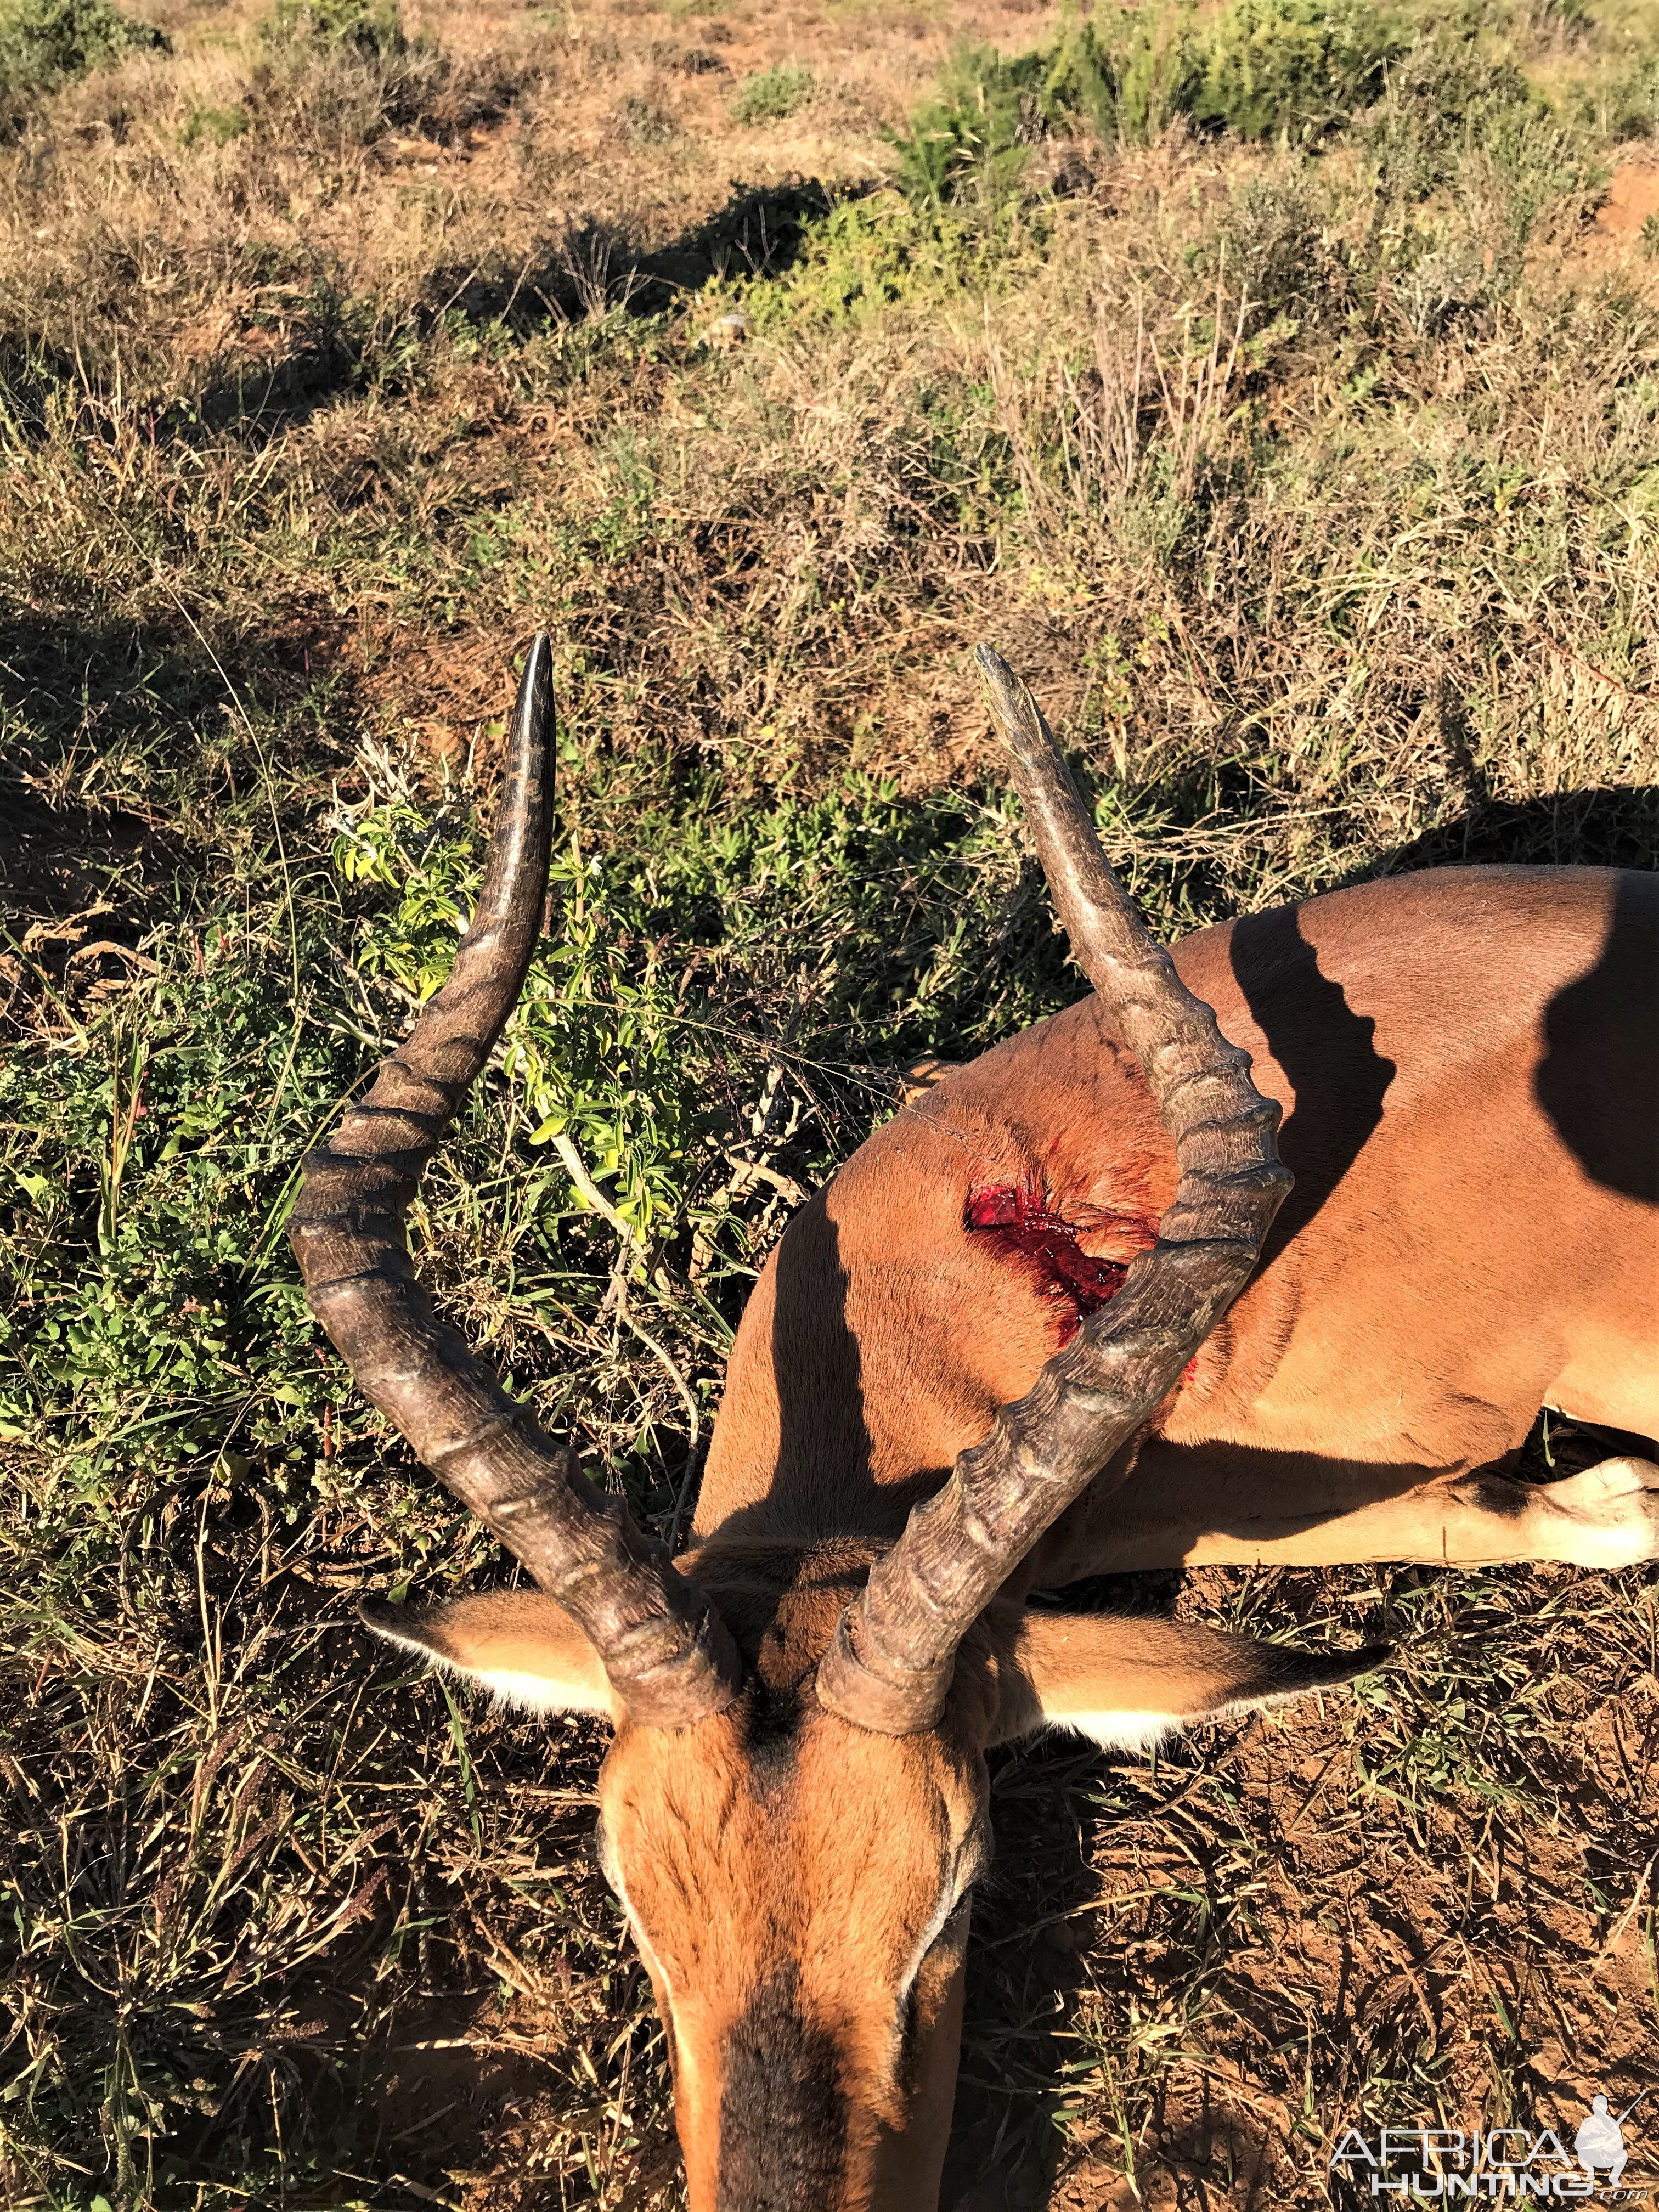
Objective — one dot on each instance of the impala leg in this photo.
(1608, 1516)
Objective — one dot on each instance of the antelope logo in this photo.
(1513, 2162)
(1599, 2141)
(1007, 1347)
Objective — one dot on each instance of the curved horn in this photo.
(889, 1666)
(665, 1650)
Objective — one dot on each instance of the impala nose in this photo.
(783, 2116)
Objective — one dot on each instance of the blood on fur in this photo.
(1021, 1220)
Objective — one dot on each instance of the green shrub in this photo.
(1263, 67)
(1272, 236)
(605, 1046)
(46, 43)
(1290, 65)
(1450, 86)
(1625, 105)
(968, 141)
(1159, 74)
(772, 94)
(1078, 83)
(866, 254)
(218, 125)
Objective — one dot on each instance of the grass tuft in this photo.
(773, 94)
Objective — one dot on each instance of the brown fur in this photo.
(1470, 1098)
(781, 1866)
(1449, 1261)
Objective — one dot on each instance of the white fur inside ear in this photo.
(1136, 1732)
(528, 1693)
(563, 1692)
(1142, 1732)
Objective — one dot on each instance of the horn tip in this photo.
(997, 677)
(1014, 707)
(536, 677)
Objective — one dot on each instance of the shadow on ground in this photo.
(335, 343)
(108, 723)
(589, 267)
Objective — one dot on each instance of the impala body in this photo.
(1052, 1319)
(1468, 1065)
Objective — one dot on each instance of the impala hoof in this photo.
(1608, 1516)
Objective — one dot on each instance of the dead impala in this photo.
(1060, 1315)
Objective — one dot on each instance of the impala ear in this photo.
(1128, 1684)
(516, 1643)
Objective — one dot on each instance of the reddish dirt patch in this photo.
(1632, 198)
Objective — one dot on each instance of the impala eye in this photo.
(605, 1861)
(956, 1921)
(950, 1935)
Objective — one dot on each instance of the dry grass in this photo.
(1318, 492)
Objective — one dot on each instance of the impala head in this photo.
(794, 1808)
(797, 1886)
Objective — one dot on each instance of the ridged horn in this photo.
(664, 1648)
(889, 1666)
